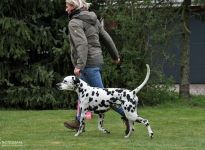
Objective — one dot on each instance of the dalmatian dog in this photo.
(100, 100)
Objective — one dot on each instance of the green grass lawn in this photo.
(175, 128)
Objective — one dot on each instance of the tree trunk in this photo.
(185, 51)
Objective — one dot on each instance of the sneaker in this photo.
(125, 120)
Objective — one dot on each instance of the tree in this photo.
(185, 51)
(186, 11)
(34, 54)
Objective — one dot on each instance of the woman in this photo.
(85, 34)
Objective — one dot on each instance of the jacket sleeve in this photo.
(108, 43)
(79, 39)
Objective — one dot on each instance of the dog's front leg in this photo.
(100, 124)
(82, 124)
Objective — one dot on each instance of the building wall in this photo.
(197, 55)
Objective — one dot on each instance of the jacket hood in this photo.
(89, 17)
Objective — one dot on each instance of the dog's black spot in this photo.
(145, 121)
(139, 120)
(129, 107)
(128, 97)
(110, 102)
(124, 94)
(147, 124)
(100, 111)
(90, 108)
(90, 99)
(87, 95)
(80, 90)
(75, 80)
(95, 108)
(113, 99)
(107, 91)
(123, 102)
(103, 104)
(96, 101)
(93, 93)
(97, 94)
(119, 90)
(100, 115)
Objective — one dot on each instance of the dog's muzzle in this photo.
(58, 85)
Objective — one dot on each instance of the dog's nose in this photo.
(58, 84)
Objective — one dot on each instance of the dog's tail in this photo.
(144, 82)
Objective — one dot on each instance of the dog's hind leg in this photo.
(100, 124)
(131, 125)
(146, 123)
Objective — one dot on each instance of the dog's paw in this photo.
(128, 135)
(106, 131)
(77, 134)
(151, 135)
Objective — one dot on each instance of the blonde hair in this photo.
(77, 4)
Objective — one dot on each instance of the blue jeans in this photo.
(92, 76)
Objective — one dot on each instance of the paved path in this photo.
(195, 89)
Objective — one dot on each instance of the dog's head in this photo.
(69, 83)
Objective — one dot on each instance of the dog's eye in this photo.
(64, 81)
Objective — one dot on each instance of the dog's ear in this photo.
(76, 80)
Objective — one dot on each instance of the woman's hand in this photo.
(116, 61)
(76, 71)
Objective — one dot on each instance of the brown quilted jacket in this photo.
(85, 34)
